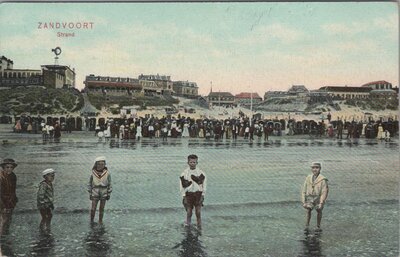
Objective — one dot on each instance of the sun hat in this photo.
(100, 159)
(316, 164)
(48, 171)
(8, 161)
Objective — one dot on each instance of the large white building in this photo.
(381, 90)
(10, 77)
(345, 92)
(51, 76)
(186, 89)
(163, 82)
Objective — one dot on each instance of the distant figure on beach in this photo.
(164, 133)
(349, 131)
(339, 129)
(121, 131)
(45, 199)
(29, 127)
(331, 132)
(193, 188)
(99, 187)
(314, 193)
(8, 185)
(138, 132)
(380, 135)
(96, 130)
(387, 135)
(185, 131)
(57, 131)
(51, 132)
(18, 126)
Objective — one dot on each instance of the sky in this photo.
(231, 47)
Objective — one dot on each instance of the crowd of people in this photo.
(209, 128)
(243, 127)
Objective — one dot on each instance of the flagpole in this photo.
(251, 102)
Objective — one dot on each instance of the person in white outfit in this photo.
(138, 132)
(185, 132)
(99, 187)
(380, 132)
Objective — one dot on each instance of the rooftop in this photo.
(375, 83)
(218, 94)
(345, 89)
(247, 95)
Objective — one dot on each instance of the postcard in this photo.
(199, 129)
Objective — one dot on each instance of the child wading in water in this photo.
(314, 193)
(8, 199)
(193, 188)
(99, 187)
(45, 199)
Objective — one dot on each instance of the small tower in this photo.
(57, 52)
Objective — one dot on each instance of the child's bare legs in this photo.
(6, 216)
(101, 210)
(189, 212)
(93, 210)
(319, 217)
(46, 218)
(308, 216)
(198, 215)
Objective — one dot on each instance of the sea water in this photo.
(252, 205)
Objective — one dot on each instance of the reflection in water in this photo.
(311, 244)
(6, 246)
(191, 245)
(97, 242)
(44, 246)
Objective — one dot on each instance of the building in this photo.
(221, 99)
(112, 85)
(185, 89)
(381, 90)
(10, 77)
(5, 63)
(341, 93)
(246, 98)
(386, 94)
(150, 88)
(316, 96)
(58, 76)
(298, 91)
(51, 76)
(163, 82)
(381, 84)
